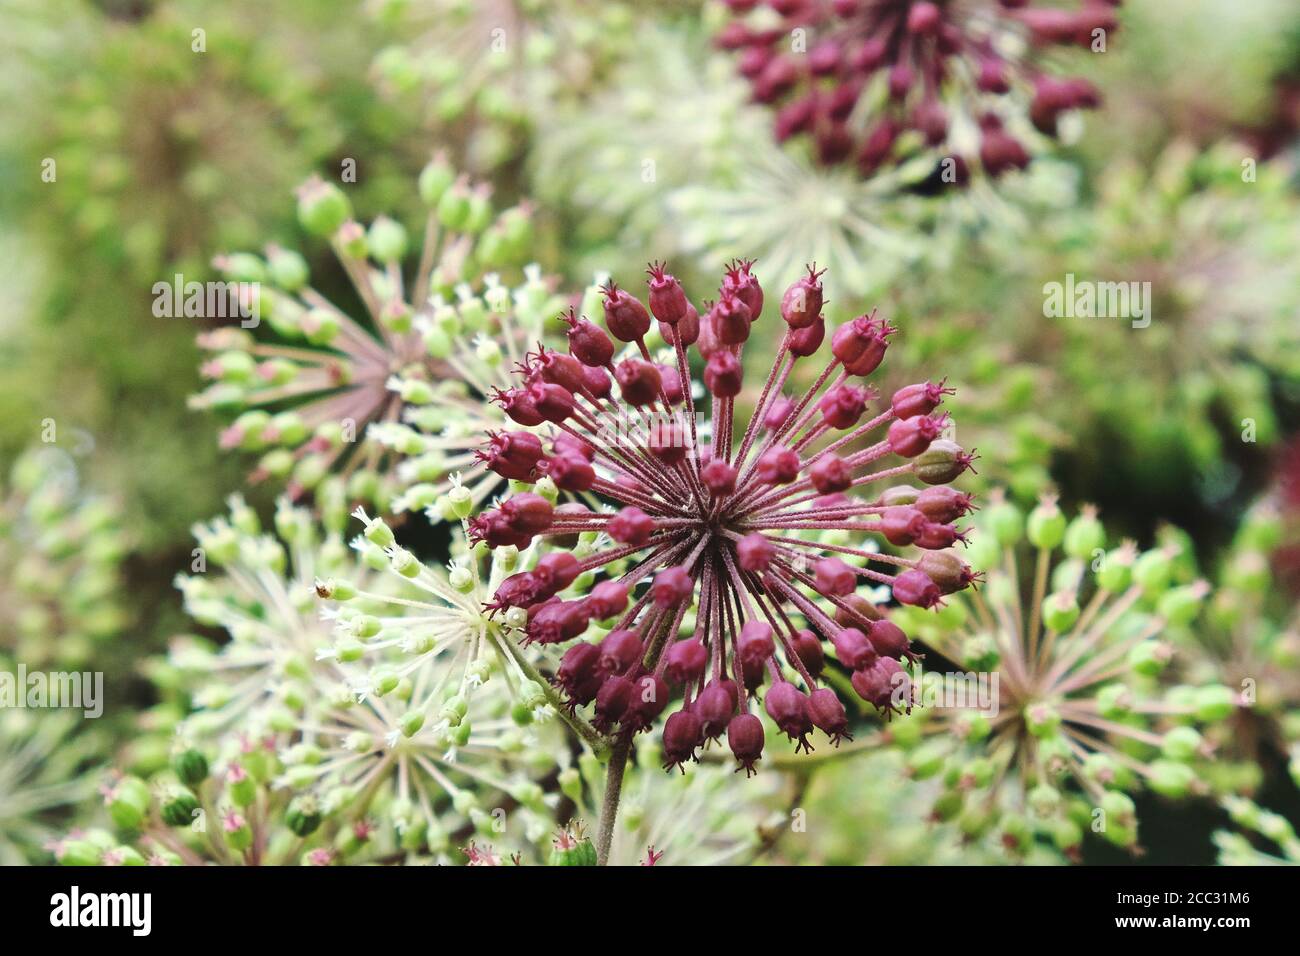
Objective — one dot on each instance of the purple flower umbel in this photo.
(761, 527)
(858, 75)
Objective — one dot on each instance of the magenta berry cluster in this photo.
(736, 524)
(857, 75)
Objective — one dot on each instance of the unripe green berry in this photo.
(322, 207)
(303, 815)
(1005, 523)
(1084, 536)
(178, 807)
(1181, 743)
(191, 766)
(1060, 611)
(1214, 703)
(1046, 526)
(387, 240)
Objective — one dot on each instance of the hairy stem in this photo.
(609, 806)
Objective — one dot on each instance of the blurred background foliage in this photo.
(634, 138)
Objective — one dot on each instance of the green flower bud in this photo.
(1114, 700)
(571, 848)
(460, 734)
(240, 787)
(570, 781)
(1042, 719)
(1046, 525)
(454, 710)
(1060, 611)
(383, 681)
(1119, 809)
(123, 856)
(1214, 703)
(288, 269)
(241, 267)
(1179, 606)
(1181, 743)
(972, 727)
(190, 766)
(975, 821)
(303, 815)
(479, 215)
(322, 207)
(396, 317)
(364, 626)
(178, 807)
(1006, 524)
(349, 651)
(947, 806)
(1066, 834)
(927, 760)
(1150, 657)
(1085, 535)
(1152, 571)
(1116, 571)
(462, 501)
(1017, 833)
(1170, 778)
(436, 177)
(461, 580)
(387, 240)
(404, 563)
(977, 773)
(128, 802)
(980, 653)
(1044, 800)
(411, 723)
(78, 853)
(236, 831)
(1100, 768)
(454, 207)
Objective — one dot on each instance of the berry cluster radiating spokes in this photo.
(874, 81)
(733, 522)
(1065, 706)
(61, 546)
(393, 403)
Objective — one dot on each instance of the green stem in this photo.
(597, 741)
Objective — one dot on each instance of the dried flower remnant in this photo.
(732, 525)
(394, 403)
(1078, 717)
(872, 82)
